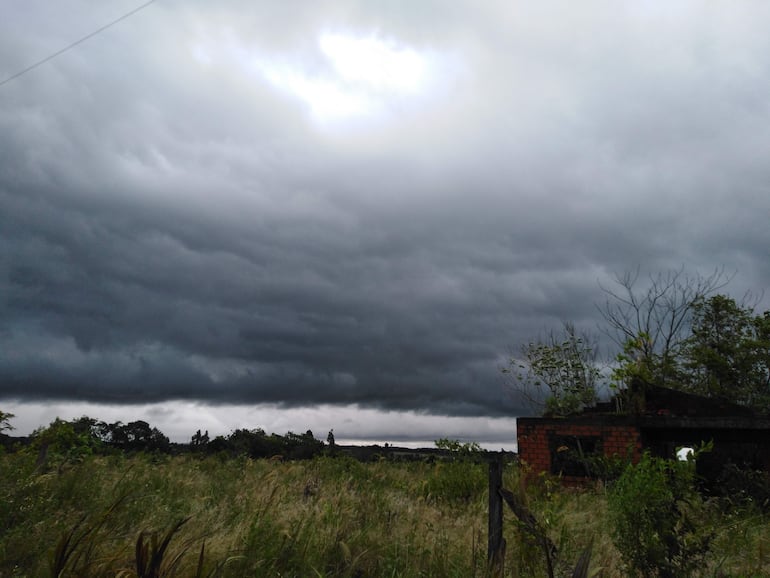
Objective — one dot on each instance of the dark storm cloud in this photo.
(175, 225)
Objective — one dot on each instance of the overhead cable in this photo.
(74, 44)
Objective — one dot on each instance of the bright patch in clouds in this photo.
(373, 62)
(364, 75)
(326, 99)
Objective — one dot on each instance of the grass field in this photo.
(209, 516)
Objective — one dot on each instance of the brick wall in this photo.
(533, 446)
(537, 437)
(620, 440)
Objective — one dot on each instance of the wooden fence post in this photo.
(496, 543)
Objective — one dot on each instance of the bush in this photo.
(657, 518)
(743, 488)
(460, 480)
(61, 444)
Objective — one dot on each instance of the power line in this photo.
(74, 44)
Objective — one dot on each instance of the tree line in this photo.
(673, 329)
(86, 436)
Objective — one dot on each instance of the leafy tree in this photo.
(331, 443)
(760, 399)
(133, 436)
(199, 441)
(301, 446)
(217, 445)
(253, 443)
(5, 421)
(5, 425)
(559, 374)
(457, 447)
(257, 444)
(728, 352)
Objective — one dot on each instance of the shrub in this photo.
(61, 444)
(655, 511)
(743, 488)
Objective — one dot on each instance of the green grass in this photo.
(190, 516)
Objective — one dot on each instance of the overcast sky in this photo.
(345, 214)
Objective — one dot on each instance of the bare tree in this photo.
(650, 321)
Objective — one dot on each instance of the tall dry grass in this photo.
(191, 516)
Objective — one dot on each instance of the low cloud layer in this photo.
(179, 420)
(208, 204)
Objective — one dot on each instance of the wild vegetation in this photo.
(69, 506)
